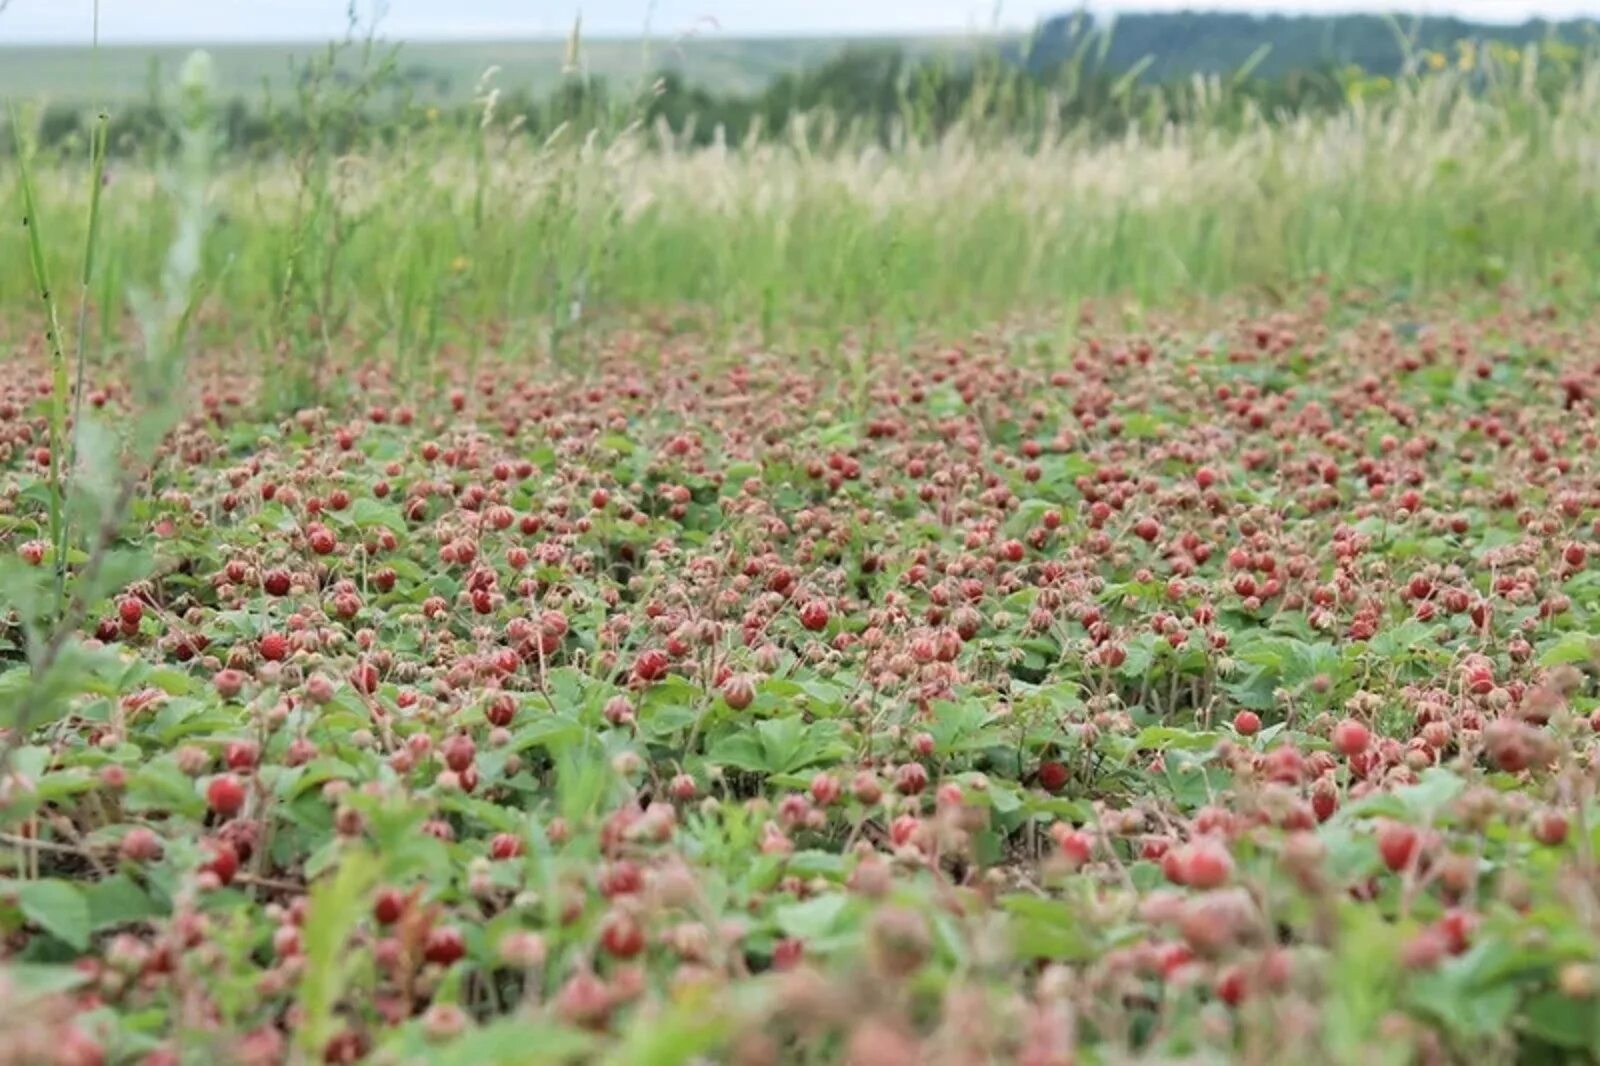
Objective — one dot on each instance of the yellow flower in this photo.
(460, 263)
(1435, 61)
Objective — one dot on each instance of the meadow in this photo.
(1029, 595)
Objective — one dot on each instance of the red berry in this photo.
(459, 751)
(322, 541)
(1550, 828)
(1053, 776)
(241, 755)
(388, 906)
(224, 860)
(651, 665)
(1206, 864)
(505, 846)
(1351, 738)
(814, 616)
(131, 611)
(274, 647)
(1247, 723)
(141, 845)
(225, 795)
(276, 582)
(1397, 844)
(621, 936)
(444, 945)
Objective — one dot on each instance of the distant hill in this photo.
(1178, 44)
(447, 71)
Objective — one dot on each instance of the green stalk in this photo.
(58, 358)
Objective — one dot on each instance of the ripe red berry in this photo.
(274, 647)
(738, 692)
(1550, 828)
(1351, 738)
(505, 846)
(241, 755)
(501, 710)
(910, 779)
(1397, 844)
(444, 945)
(322, 541)
(141, 845)
(225, 795)
(459, 751)
(1053, 776)
(621, 936)
(223, 860)
(814, 616)
(651, 665)
(1206, 864)
(389, 905)
(1247, 723)
(131, 611)
(276, 582)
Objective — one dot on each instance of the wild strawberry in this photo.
(141, 845)
(814, 615)
(620, 935)
(225, 795)
(1350, 737)
(274, 647)
(222, 861)
(388, 906)
(505, 846)
(651, 665)
(444, 945)
(130, 610)
(322, 541)
(241, 755)
(1247, 723)
(459, 752)
(738, 692)
(228, 683)
(1053, 776)
(1397, 844)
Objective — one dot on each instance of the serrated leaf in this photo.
(56, 907)
(813, 919)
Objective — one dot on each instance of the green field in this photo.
(1076, 593)
(447, 71)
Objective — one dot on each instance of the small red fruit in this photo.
(274, 647)
(444, 945)
(1053, 776)
(131, 611)
(225, 795)
(814, 616)
(1351, 738)
(388, 906)
(1397, 844)
(1247, 723)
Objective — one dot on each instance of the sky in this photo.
(70, 21)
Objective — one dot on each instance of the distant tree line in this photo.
(1071, 73)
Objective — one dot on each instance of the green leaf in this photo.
(366, 513)
(1572, 648)
(511, 1043)
(1564, 1022)
(337, 904)
(56, 907)
(118, 900)
(813, 919)
(34, 980)
(1046, 929)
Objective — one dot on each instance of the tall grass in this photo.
(425, 236)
